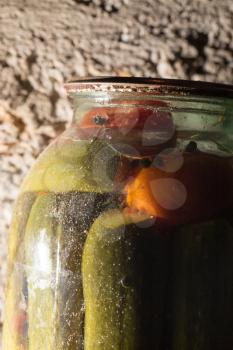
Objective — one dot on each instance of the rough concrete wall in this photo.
(44, 43)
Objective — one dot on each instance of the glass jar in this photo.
(122, 235)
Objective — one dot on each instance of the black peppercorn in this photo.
(99, 120)
(191, 147)
(145, 162)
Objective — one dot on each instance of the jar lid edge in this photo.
(152, 85)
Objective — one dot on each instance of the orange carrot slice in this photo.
(199, 190)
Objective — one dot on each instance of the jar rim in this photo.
(155, 86)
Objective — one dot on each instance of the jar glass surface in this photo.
(122, 235)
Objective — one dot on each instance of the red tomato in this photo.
(139, 124)
(128, 115)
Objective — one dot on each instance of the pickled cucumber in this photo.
(203, 287)
(11, 338)
(112, 283)
(54, 239)
(76, 213)
(42, 274)
(78, 165)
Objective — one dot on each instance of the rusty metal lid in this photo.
(149, 86)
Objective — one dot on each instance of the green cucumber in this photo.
(55, 235)
(75, 215)
(73, 166)
(42, 275)
(203, 287)
(12, 340)
(112, 283)
(55, 298)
